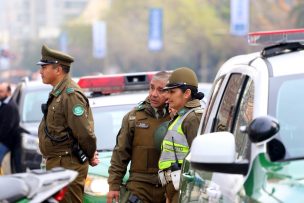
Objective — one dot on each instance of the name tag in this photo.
(142, 125)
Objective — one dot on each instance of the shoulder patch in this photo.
(140, 106)
(78, 110)
(70, 90)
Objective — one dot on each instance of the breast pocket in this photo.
(56, 116)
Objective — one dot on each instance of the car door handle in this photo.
(188, 177)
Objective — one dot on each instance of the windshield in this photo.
(286, 104)
(107, 122)
(31, 111)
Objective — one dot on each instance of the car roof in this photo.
(278, 65)
(287, 64)
(118, 99)
(35, 84)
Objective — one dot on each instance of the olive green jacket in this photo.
(126, 145)
(69, 109)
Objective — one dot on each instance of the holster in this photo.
(126, 196)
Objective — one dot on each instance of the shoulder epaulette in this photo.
(57, 93)
(200, 110)
(140, 106)
(70, 90)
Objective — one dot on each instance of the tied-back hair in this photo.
(195, 94)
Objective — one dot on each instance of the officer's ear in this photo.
(187, 94)
(59, 68)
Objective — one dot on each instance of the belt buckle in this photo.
(168, 176)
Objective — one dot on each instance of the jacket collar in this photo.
(57, 90)
(189, 105)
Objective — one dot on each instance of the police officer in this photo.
(183, 98)
(135, 143)
(66, 132)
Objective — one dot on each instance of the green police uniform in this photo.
(135, 143)
(67, 120)
(180, 135)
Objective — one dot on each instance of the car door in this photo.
(226, 111)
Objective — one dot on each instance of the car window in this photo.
(31, 111)
(228, 106)
(214, 91)
(286, 104)
(107, 122)
(243, 118)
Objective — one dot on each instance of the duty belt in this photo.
(55, 138)
(164, 176)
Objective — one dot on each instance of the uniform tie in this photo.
(160, 113)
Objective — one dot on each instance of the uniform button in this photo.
(66, 152)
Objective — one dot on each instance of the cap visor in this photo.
(171, 87)
(40, 63)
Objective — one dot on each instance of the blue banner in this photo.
(155, 29)
(239, 17)
(99, 39)
(63, 42)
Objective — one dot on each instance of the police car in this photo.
(250, 147)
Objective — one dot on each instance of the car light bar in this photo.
(109, 84)
(276, 37)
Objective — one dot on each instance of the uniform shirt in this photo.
(122, 153)
(69, 109)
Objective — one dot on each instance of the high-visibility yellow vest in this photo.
(174, 147)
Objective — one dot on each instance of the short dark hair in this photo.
(65, 69)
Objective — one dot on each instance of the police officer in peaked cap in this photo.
(184, 98)
(66, 132)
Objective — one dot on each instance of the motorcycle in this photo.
(36, 186)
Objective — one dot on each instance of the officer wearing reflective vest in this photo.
(66, 132)
(135, 145)
(184, 98)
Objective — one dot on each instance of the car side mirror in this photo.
(262, 129)
(216, 152)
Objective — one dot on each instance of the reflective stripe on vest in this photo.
(175, 134)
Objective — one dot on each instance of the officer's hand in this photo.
(95, 160)
(112, 195)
